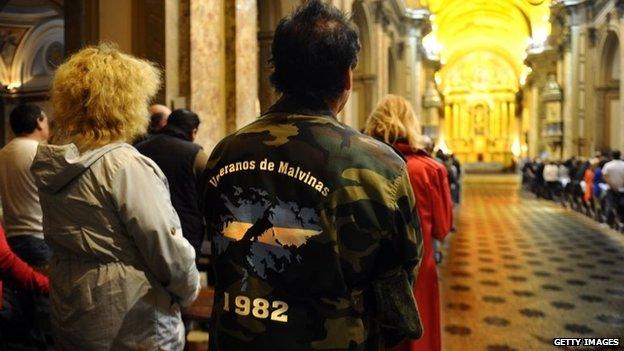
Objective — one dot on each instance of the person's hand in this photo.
(437, 251)
(438, 257)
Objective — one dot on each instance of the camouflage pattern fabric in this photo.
(303, 213)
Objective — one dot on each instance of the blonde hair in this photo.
(100, 96)
(393, 119)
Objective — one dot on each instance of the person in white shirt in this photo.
(551, 177)
(19, 194)
(613, 172)
(23, 222)
(551, 172)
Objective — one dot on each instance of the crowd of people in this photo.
(320, 237)
(592, 186)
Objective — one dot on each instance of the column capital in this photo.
(418, 22)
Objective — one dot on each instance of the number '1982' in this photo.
(258, 307)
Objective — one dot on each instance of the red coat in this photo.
(589, 184)
(13, 269)
(429, 180)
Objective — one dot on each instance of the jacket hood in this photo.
(55, 166)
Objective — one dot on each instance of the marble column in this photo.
(223, 66)
(418, 25)
(573, 64)
(207, 69)
(534, 120)
(241, 52)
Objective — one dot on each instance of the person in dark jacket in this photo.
(313, 225)
(182, 161)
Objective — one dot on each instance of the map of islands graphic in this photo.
(277, 236)
(272, 228)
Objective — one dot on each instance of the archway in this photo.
(362, 97)
(609, 127)
(33, 34)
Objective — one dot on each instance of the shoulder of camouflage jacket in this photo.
(345, 147)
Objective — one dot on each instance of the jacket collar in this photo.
(175, 131)
(303, 106)
(406, 149)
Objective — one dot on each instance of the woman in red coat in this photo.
(394, 122)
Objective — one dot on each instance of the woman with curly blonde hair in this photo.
(121, 267)
(394, 122)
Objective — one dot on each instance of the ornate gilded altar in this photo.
(479, 113)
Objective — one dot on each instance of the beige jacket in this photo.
(120, 267)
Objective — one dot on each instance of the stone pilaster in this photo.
(207, 69)
(223, 68)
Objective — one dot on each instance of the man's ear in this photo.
(40, 122)
(194, 134)
(349, 79)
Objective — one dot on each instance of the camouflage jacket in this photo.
(303, 213)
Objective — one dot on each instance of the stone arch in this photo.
(38, 54)
(609, 125)
(610, 58)
(363, 94)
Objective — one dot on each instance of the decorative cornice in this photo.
(390, 13)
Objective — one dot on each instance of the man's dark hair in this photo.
(181, 123)
(23, 118)
(154, 124)
(616, 154)
(312, 49)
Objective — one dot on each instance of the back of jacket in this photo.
(303, 214)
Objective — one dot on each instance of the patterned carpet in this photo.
(519, 272)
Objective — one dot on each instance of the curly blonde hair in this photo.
(394, 119)
(100, 96)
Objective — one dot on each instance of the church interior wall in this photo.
(116, 22)
(215, 60)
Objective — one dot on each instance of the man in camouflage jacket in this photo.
(307, 216)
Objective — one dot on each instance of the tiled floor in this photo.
(519, 272)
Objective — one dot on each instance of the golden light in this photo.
(14, 86)
(525, 74)
(432, 46)
(483, 45)
(537, 43)
(504, 27)
(438, 79)
(516, 148)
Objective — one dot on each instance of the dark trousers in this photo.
(456, 192)
(613, 205)
(24, 319)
